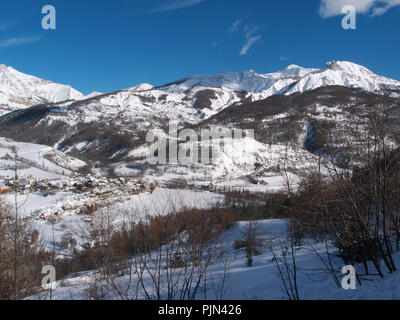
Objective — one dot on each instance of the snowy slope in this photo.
(18, 90)
(140, 206)
(37, 161)
(259, 282)
(236, 160)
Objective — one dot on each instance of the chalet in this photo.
(43, 187)
(27, 189)
(4, 189)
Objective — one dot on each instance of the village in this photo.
(93, 192)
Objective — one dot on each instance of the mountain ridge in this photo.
(109, 130)
(20, 90)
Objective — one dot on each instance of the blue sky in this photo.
(107, 45)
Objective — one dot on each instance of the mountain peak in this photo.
(348, 66)
(333, 65)
(20, 90)
(141, 87)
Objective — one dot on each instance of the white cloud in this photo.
(176, 5)
(214, 44)
(249, 32)
(249, 43)
(11, 42)
(251, 39)
(377, 11)
(330, 8)
(283, 58)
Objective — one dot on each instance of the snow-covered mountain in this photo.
(287, 81)
(248, 81)
(18, 90)
(199, 97)
(195, 98)
(107, 129)
(347, 74)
